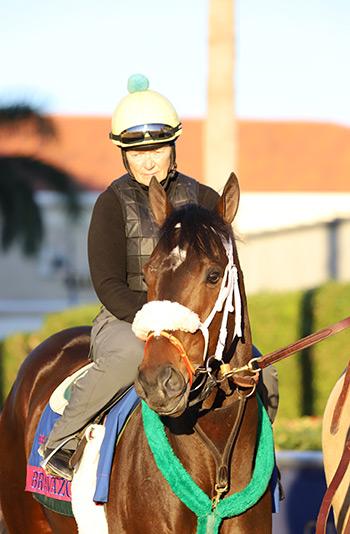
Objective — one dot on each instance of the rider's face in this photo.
(147, 163)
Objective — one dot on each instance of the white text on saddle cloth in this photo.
(159, 315)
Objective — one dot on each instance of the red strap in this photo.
(332, 488)
(178, 345)
(280, 354)
(341, 401)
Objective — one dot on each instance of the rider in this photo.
(122, 235)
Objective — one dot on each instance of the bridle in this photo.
(157, 318)
(179, 346)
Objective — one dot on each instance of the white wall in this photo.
(285, 245)
(300, 257)
(270, 211)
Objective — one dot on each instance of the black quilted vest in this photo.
(140, 227)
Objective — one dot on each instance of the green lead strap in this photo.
(192, 495)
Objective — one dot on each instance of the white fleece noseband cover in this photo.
(158, 315)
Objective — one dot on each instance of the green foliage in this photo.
(277, 320)
(20, 177)
(15, 348)
(332, 303)
(303, 434)
(274, 321)
(14, 116)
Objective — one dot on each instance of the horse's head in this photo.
(193, 277)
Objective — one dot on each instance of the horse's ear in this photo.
(158, 200)
(227, 205)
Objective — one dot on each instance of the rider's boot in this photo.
(57, 463)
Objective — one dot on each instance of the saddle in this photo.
(55, 492)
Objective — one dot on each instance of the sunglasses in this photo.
(137, 134)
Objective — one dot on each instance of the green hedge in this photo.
(302, 434)
(277, 319)
(14, 348)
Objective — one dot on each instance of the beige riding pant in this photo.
(116, 353)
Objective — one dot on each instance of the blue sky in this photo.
(75, 56)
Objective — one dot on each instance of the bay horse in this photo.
(212, 424)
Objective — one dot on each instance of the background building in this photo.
(294, 212)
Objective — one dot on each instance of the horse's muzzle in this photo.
(164, 389)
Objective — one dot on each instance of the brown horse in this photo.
(212, 425)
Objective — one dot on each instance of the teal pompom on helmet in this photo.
(137, 82)
(144, 117)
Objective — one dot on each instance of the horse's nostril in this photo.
(171, 380)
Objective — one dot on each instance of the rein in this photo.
(339, 474)
(343, 465)
(255, 365)
(303, 343)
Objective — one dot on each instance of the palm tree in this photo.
(21, 176)
(220, 138)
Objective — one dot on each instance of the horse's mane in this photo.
(202, 229)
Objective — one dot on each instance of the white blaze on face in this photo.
(177, 257)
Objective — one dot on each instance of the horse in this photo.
(336, 454)
(209, 412)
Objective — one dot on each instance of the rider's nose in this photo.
(149, 163)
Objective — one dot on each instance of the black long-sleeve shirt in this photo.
(107, 253)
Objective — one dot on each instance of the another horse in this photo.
(212, 425)
(335, 445)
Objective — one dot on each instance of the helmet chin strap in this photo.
(172, 167)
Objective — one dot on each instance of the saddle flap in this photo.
(61, 395)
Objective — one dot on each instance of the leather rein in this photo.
(343, 465)
(255, 365)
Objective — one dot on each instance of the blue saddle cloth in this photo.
(115, 422)
(48, 488)
(52, 488)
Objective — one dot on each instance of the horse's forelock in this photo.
(198, 227)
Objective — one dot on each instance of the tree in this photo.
(21, 176)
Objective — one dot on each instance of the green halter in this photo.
(187, 490)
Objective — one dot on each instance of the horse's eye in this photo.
(213, 277)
